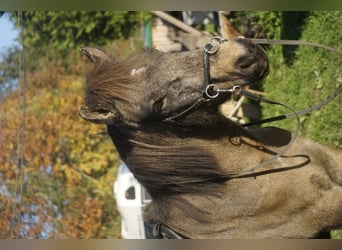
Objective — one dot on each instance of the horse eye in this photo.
(158, 105)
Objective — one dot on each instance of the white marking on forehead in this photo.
(138, 71)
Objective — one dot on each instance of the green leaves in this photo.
(65, 30)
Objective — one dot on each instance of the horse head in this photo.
(154, 85)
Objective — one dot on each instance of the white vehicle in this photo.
(130, 197)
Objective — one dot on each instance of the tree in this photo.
(69, 165)
(65, 30)
(53, 36)
(69, 170)
(9, 61)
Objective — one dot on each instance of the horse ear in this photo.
(94, 55)
(227, 28)
(101, 117)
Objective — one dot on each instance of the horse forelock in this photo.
(109, 81)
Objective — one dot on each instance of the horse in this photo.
(208, 176)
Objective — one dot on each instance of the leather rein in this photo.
(212, 91)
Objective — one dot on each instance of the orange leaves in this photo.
(66, 165)
(6, 212)
(83, 219)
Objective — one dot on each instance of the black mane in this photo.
(173, 168)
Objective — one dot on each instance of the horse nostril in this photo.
(245, 62)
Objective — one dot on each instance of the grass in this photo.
(302, 76)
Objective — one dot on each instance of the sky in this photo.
(8, 33)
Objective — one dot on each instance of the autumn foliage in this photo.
(65, 187)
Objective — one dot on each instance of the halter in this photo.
(212, 91)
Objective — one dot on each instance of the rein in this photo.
(212, 91)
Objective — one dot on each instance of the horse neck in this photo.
(183, 167)
(166, 153)
(223, 144)
(205, 136)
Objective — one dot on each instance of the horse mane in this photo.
(111, 80)
(175, 169)
(167, 171)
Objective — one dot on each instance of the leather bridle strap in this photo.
(161, 231)
(303, 111)
(240, 91)
(186, 111)
(210, 48)
(290, 115)
(212, 91)
(295, 42)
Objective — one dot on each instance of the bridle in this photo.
(211, 48)
(212, 91)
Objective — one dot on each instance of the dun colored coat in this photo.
(198, 167)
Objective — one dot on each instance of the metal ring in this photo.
(210, 48)
(213, 45)
(237, 88)
(214, 89)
